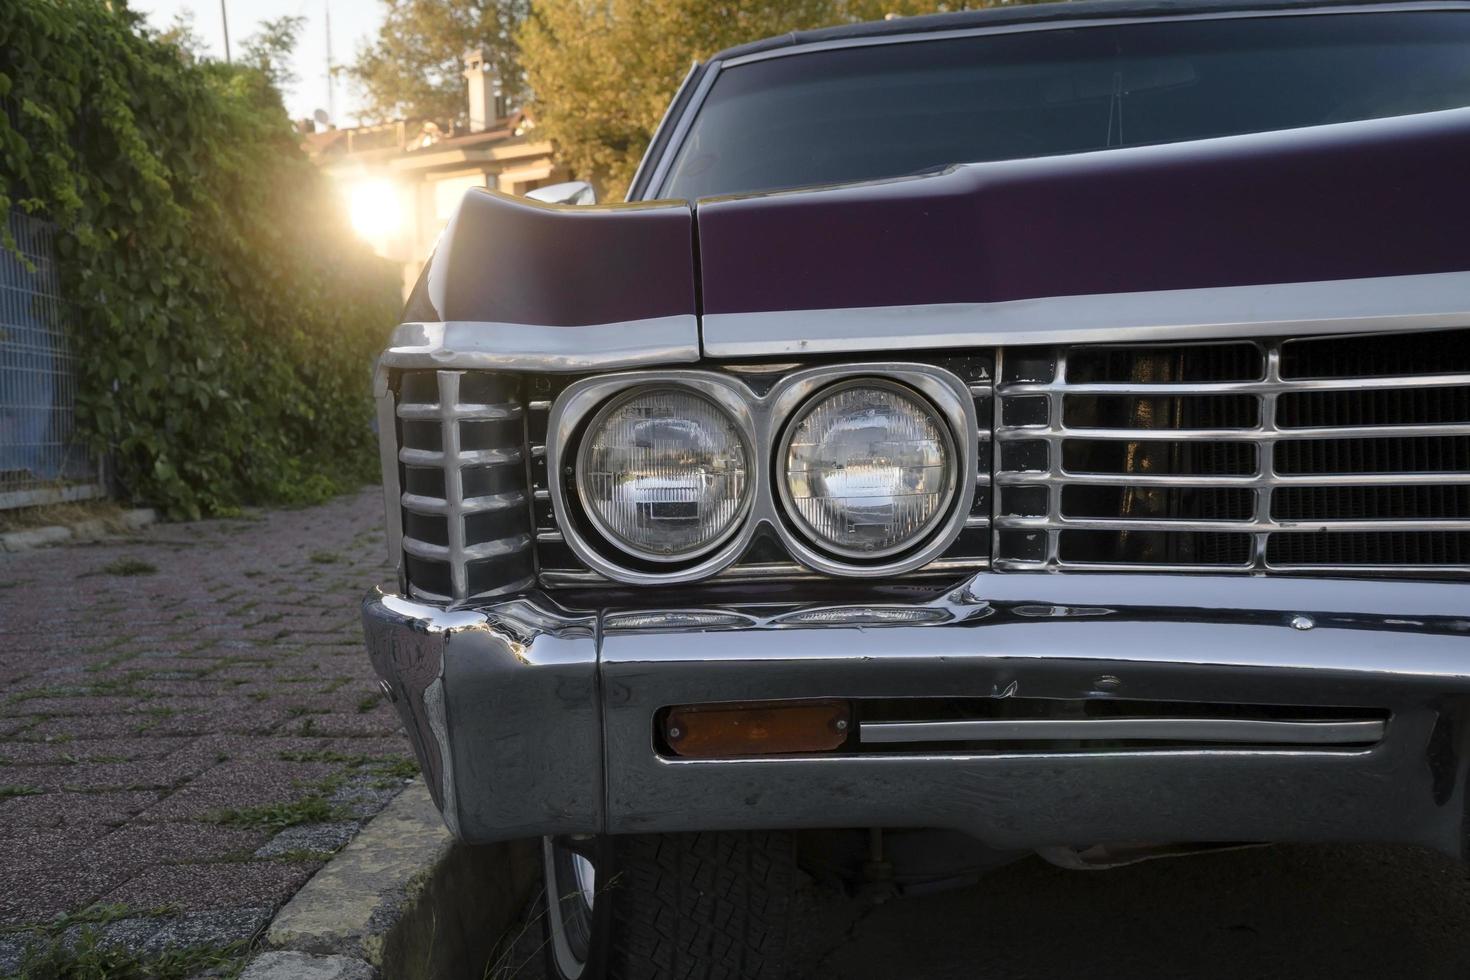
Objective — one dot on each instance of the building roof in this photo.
(404, 137)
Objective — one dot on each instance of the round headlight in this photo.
(868, 469)
(664, 473)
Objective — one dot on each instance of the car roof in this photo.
(1080, 10)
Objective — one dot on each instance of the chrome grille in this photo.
(466, 519)
(1339, 454)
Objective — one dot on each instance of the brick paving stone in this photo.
(141, 846)
(61, 809)
(316, 838)
(225, 680)
(197, 887)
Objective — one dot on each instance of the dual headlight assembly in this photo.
(669, 476)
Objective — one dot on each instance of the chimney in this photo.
(487, 104)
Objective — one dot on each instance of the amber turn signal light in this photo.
(709, 731)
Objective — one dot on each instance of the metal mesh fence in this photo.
(40, 458)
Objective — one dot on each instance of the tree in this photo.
(413, 69)
(270, 48)
(603, 71)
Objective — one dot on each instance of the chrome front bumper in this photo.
(530, 720)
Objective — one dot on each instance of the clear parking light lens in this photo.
(868, 470)
(664, 473)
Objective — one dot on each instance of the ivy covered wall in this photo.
(226, 320)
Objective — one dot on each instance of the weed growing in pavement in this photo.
(127, 567)
(10, 792)
(278, 816)
(54, 954)
(325, 557)
(368, 703)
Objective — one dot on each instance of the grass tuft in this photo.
(128, 567)
(279, 816)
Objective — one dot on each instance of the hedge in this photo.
(225, 320)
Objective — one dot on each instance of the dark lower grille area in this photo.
(1158, 503)
(1389, 406)
(1165, 363)
(1371, 503)
(1152, 412)
(1159, 458)
(1315, 454)
(1370, 548)
(1385, 355)
(1156, 547)
(1436, 454)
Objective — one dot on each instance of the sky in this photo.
(354, 23)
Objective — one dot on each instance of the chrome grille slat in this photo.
(466, 534)
(450, 458)
(1257, 387)
(1258, 435)
(470, 413)
(460, 552)
(1256, 480)
(1154, 471)
(421, 504)
(1244, 527)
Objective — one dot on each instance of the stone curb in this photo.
(93, 530)
(403, 901)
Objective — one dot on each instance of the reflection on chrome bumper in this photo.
(528, 719)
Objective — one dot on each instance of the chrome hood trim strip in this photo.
(1417, 302)
(475, 344)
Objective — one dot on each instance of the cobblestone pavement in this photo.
(188, 724)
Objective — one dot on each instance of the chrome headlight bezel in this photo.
(783, 482)
(621, 542)
(762, 419)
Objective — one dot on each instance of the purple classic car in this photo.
(1038, 430)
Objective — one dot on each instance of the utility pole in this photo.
(224, 18)
(331, 78)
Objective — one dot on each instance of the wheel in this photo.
(711, 906)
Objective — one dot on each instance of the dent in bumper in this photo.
(502, 710)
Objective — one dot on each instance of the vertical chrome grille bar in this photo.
(1056, 423)
(1266, 457)
(453, 484)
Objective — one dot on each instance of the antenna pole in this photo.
(224, 18)
(331, 80)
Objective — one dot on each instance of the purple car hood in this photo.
(1359, 220)
(1356, 226)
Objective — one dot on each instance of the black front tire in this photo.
(708, 906)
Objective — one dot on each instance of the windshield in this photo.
(866, 112)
